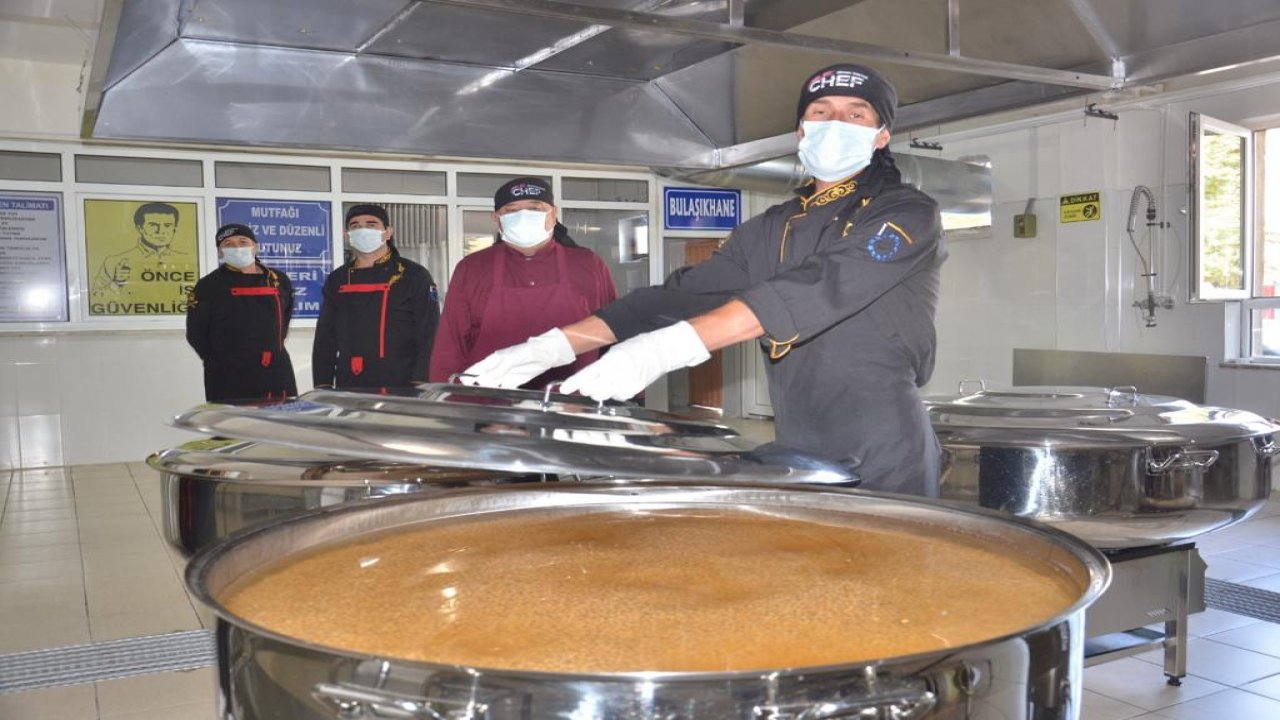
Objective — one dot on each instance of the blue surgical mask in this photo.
(833, 150)
(238, 257)
(524, 228)
(365, 240)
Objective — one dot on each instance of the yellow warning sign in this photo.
(1079, 208)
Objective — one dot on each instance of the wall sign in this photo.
(701, 209)
(141, 256)
(33, 266)
(294, 236)
(1079, 208)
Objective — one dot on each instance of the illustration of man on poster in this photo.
(152, 275)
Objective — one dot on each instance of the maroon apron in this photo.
(515, 314)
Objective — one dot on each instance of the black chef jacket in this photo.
(376, 325)
(845, 283)
(237, 323)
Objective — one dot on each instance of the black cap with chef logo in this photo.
(232, 230)
(852, 81)
(375, 210)
(523, 188)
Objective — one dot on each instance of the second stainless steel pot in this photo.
(1115, 467)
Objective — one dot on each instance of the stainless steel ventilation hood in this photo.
(681, 84)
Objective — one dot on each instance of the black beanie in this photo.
(853, 81)
(375, 210)
(523, 188)
(232, 230)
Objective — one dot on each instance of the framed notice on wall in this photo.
(294, 237)
(141, 256)
(33, 266)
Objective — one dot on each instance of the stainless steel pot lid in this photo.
(518, 431)
(242, 461)
(1055, 416)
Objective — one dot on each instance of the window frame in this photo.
(1197, 124)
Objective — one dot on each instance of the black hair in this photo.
(154, 208)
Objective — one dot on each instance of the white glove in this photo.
(631, 365)
(516, 365)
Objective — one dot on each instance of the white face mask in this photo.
(240, 257)
(365, 240)
(833, 150)
(524, 228)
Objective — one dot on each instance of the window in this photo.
(1261, 320)
(1221, 191)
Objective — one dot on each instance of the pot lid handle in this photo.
(962, 390)
(1118, 393)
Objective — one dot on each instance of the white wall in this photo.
(41, 99)
(73, 398)
(1072, 286)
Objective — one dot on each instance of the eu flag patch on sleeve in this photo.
(886, 244)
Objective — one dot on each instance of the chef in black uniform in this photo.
(237, 320)
(838, 285)
(379, 312)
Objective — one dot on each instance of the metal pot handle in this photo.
(982, 386)
(1115, 394)
(1266, 448)
(1182, 460)
(355, 702)
(903, 704)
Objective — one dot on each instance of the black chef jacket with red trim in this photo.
(376, 325)
(237, 323)
(844, 283)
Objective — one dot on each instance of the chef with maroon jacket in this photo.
(237, 320)
(378, 313)
(533, 279)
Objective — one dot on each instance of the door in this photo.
(706, 381)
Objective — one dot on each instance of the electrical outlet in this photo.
(1024, 226)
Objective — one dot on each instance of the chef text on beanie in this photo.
(523, 188)
(853, 81)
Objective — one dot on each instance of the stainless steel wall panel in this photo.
(320, 24)
(144, 29)
(218, 92)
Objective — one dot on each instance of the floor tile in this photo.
(70, 568)
(135, 597)
(28, 555)
(157, 691)
(1230, 704)
(17, 514)
(1140, 684)
(1260, 637)
(172, 617)
(52, 503)
(1220, 663)
(1254, 554)
(43, 539)
(1270, 582)
(197, 711)
(1099, 707)
(57, 594)
(74, 702)
(1267, 687)
(1221, 568)
(1215, 621)
(47, 630)
(26, 527)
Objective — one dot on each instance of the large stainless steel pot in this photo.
(1115, 467)
(1036, 673)
(212, 488)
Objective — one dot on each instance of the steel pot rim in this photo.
(1095, 564)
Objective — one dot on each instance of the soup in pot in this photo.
(681, 590)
